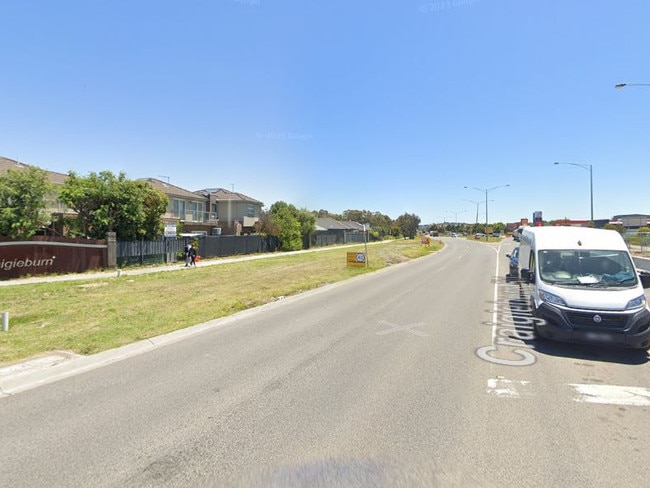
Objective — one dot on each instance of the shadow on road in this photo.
(590, 352)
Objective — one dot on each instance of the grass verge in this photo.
(91, 316)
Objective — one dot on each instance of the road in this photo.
(408, 376)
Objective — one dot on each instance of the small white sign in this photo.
(170, 230)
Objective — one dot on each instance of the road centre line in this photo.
(581, 393)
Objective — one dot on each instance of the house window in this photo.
(178, 208)
(250, 210)
(193, 210)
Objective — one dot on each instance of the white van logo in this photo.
(598, 319)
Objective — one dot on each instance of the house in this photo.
(237, 213)
(53, 206)
(331, 231)
(185, 207)
(209, 211)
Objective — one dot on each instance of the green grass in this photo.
(91, 316)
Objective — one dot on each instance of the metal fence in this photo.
(329, 238)
(639, 242)
(170, 249)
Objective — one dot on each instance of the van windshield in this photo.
(587, 268)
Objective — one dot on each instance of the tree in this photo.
(284, 217)
(266, 225)
(380, 224)
(617, 227)
(307, 222)
(22, 202)
(105, 203)
(408, 224)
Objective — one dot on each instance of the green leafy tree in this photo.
(106, 202)
(285, 221)
(408, 224)
(324, 213)
(307, 222)
(617, 227)
(380, 224)
(266, 225)
(22, 202)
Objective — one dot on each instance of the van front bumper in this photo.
(621, 329)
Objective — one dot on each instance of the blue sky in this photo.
(391, 106)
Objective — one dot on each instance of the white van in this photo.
(584, 286)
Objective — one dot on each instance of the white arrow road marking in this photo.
(397, 327)
(509, 389)
(582, 393)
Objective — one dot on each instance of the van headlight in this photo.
(636, 303)
(551, 298)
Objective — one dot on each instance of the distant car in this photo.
(479, 235)
(453, 234)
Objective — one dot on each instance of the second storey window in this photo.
(178, 208)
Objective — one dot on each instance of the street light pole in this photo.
(589, 168)
(486, 190)
(456, 212)
(475, 203)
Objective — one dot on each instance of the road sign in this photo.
(356, 259)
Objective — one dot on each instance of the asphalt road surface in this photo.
(411, 376)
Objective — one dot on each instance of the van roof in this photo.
(574, 237)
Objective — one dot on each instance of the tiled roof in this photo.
(169, 189)
(52, 176)
(328, 223)
(223, 194)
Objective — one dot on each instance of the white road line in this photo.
(611, 395)
(495, 299)
(633, 396)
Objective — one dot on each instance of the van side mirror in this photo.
(644, 276)
(527, 275)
